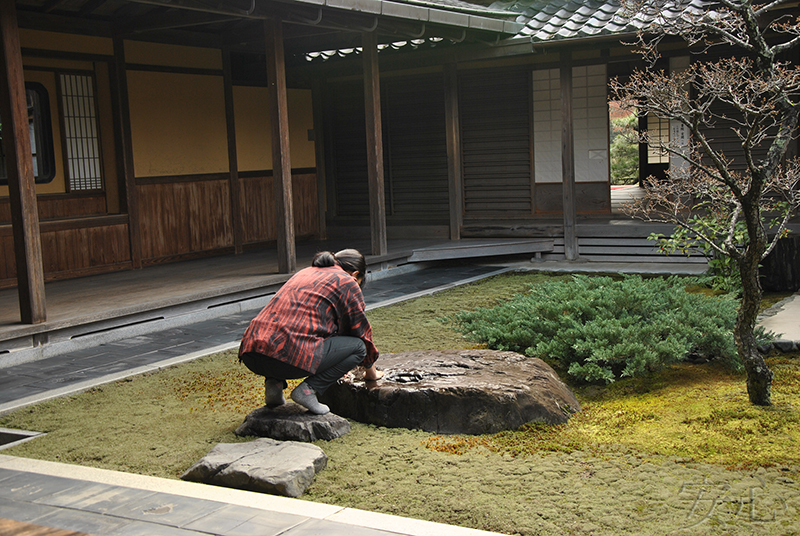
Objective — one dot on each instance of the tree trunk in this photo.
(759, 376)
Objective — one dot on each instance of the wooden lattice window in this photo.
(81, 135)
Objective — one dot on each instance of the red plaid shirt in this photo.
(315, 304)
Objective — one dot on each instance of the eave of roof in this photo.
(456, 14)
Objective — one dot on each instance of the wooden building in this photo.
(164, 130)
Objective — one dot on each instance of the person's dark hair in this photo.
(323, 259)
(351, 260)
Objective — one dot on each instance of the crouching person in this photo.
(315, 327)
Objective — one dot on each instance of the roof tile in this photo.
(547, 20)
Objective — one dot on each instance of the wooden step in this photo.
(479, 248)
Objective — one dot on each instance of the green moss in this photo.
(696, 412)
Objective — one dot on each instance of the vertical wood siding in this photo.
(257, 199)
(348, 145)
(496, 141)
(57, 206)
(184, 217)
(71, 249)
(416, 152)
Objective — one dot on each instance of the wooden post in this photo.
(568, 159)
(281, 163)
(454, 169)
(372, 104)
(19, 170)
(321, 164)
(233, 163)
(124, 144)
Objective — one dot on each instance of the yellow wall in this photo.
(253, 131)
(172, 55)
(177, 123)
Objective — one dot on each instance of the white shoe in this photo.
(307, 397)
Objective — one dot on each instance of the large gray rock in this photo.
(265, 465)
(455, 392)
(292, 422)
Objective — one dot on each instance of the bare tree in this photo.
(738, 80)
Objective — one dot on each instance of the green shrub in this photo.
(598, 328)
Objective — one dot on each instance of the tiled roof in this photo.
(550, 20)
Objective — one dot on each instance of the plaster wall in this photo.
(254, 134)
(177, 123)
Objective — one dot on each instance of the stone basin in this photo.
(455, 392)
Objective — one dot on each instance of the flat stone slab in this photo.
(292, 422)
(455, 392)
(265, 465)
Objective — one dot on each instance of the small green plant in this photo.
(722, 269)
(601, 329)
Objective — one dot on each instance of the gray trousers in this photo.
(340, 355)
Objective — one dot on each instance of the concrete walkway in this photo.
(107, 503)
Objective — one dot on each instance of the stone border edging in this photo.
(783, 345)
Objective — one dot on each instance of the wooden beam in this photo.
(568, 159)
(233, 159)
(170, 20)
(281, 163)
(122, 139)
(19, 169)
(454, 165)
(372, 104)
(318, 105)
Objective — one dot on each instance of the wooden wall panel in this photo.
(54, 207)
(590, 198)
(347, 139)
(8, 267)
(257, 199)
(182, 218)
(306, 208)
(415, 151)
(72, 249)
(416, 155)
(496, 142)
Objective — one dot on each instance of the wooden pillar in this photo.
(281, 163)
(454, 168)
(233, 163)
(19, 169)
(124, 144)
(372, 104)
(568, 160)
(318, 105)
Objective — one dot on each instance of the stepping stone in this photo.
(455, 392)
(265, 465)
(292, 422)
